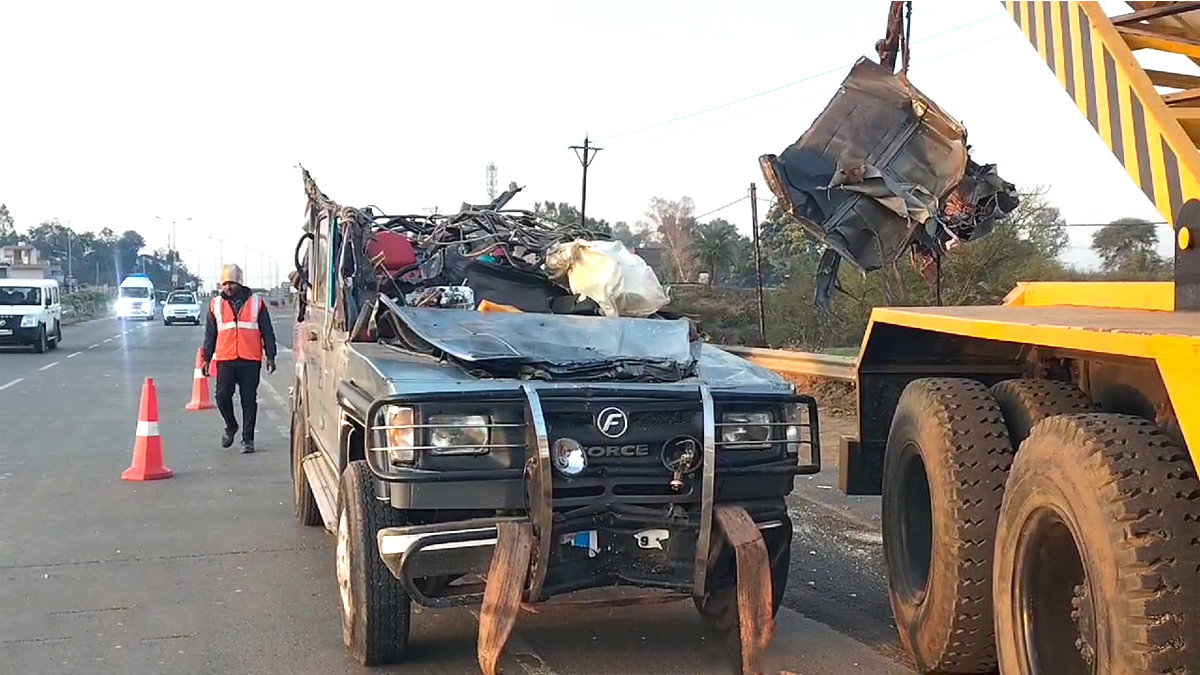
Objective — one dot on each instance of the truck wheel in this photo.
(304, 504)
(41, 345)
(1027, 402)
(375, 608)
(53, 344)
(947, 446)
(1097, 550)
(720, 607)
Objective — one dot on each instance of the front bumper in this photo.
(641, 549)
(188, 316)
(614, 524)
(143, 312)
(11, 336)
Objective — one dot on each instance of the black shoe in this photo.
(227, 438)
(247, 447)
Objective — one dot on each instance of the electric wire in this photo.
(790, 84)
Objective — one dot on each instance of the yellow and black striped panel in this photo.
(1098, 70)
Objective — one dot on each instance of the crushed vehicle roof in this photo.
(882, 171)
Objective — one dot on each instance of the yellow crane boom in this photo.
(1154, 136)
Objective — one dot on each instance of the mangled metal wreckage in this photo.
(884, 171)
(492, 409)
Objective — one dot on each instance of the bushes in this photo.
(85, 304)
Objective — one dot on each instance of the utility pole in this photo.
(762, 317)
(589, 153)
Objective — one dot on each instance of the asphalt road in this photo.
(208, 572)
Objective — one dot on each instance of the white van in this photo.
(30, 313)
(136, 298)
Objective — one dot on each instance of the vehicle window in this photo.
(319, 266)
(20, 295)
(181, 299)
(135, 292)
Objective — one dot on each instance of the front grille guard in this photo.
(538, 471)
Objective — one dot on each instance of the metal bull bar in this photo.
(521, 555)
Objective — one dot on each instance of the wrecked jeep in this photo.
(476, 430)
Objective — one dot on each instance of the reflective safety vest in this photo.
(238, 336)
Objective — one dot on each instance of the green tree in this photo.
(714, 246)
(8, 229)
(563, 213)
(1128, 248)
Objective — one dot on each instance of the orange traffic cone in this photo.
(200, 399)
(147, 447)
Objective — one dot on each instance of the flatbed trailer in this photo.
(1037, 460)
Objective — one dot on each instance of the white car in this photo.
(30, 313)
(181, 307)
(135, 298)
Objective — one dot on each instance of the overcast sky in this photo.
(113, 113)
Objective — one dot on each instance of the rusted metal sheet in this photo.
(502, 595)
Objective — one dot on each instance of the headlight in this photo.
(459, 434)
(745, 431)
(28, 321)
(792, 417)
(568, 457)
(398, 425)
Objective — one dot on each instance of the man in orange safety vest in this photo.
(237, 335)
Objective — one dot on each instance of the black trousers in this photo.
(244, 375)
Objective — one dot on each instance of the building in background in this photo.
(22, 261)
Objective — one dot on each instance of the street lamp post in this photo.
(174, 246)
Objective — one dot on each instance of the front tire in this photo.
(42, 344)
(375, 609)
(720, 607)
(946, 459)
(53, 344)
(1097, 547)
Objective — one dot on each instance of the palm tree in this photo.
(715, 245)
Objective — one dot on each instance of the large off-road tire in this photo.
(304, 504)
(1027, 402)
(375, 609)
(947, 456)
(1101, 519)
(720, 608)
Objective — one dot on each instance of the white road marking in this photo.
(118, 335)
(74, 355)
(274, 394)
(94, 346)
(48, 366)
(107, 340)
(16, 381)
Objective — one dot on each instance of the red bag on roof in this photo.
(391, 251)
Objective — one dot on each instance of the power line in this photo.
(820, 93)
(791, 84)
(736, 201)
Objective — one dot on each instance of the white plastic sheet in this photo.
(615, 278)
